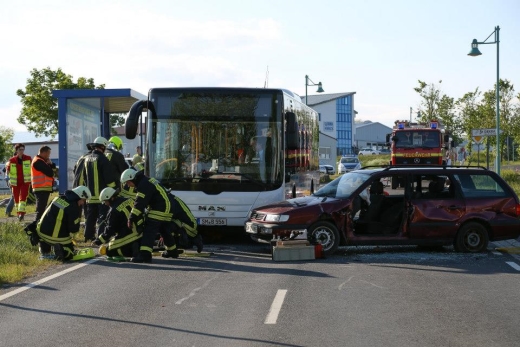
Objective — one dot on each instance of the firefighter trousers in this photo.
(151, 228)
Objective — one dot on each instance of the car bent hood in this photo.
(292, 204)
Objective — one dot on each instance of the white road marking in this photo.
(46, 279)
(342, 284)
(496, 253)
(513, 265)
(194, 291)
(276, 306)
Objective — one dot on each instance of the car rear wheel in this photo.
(327, 235)
(472, 238)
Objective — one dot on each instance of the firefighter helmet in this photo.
(100, 141)
(128, 175)
(83, 192)
(107, 194)
(117, 142)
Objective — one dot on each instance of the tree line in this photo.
(474, 110)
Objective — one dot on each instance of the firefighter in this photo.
(186, 225)
(19, 171)
(122, 241)
(60, 219)
(97, 174)
(42, 178)
(153, 196)
(116, 158)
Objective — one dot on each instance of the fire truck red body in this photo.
(417, 144)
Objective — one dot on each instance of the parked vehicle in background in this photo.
(463, 207)
(384, 151)
(327, 169)
(417, 144)
(368, 151)
(347, 164)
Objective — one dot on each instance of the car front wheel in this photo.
(472, 238)
(327, 235)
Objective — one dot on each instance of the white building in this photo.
(336, 121)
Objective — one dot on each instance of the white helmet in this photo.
(83, 192)
(128, 175)
(107, 194)
(100, 141)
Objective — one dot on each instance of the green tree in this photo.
(39, 109)
(435, 105)
(6, 140)
(116, 120)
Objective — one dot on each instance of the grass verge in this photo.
(18, 259)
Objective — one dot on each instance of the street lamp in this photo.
(474, 53)
(307, 79)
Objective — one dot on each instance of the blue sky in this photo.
(378, 49)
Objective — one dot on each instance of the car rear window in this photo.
(478, 186)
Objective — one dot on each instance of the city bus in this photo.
(225, 151)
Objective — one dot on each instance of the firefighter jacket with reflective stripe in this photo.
(128, 192)
(118, 162)
(117, 233)
(42, 175)
(183, 216)
(60, 219)
(79, 171)
(152, 195)
(98, 174)
(19, 170)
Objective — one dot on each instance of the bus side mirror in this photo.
(388, 138)
(446, 138)
(133, 119)
(292, 137)
(132, 122)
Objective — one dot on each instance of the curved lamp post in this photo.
(307, 79)
(474, 53)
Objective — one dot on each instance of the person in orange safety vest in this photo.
(42, 178)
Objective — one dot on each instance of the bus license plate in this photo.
(212, 221)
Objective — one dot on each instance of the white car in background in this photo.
(327, 169)
(368, 151)
(347, 164)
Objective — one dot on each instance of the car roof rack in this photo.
(388, 167)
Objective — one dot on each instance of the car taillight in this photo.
(518, 210)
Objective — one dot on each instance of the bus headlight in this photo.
(276, 218)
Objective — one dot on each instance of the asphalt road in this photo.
(367, 296)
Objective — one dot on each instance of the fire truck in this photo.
(417, 144)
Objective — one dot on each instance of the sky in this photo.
(378, 49)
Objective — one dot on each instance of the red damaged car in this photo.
(463, 207)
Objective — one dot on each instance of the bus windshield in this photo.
(216, 141)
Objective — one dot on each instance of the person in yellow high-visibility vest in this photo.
(19, 170)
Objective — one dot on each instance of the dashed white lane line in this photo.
(276, 306)
(513, 265)
(496, 253)
(46, 279)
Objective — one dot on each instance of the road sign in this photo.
(478, 139)
(485, 132)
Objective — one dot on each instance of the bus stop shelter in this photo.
(83, 115)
